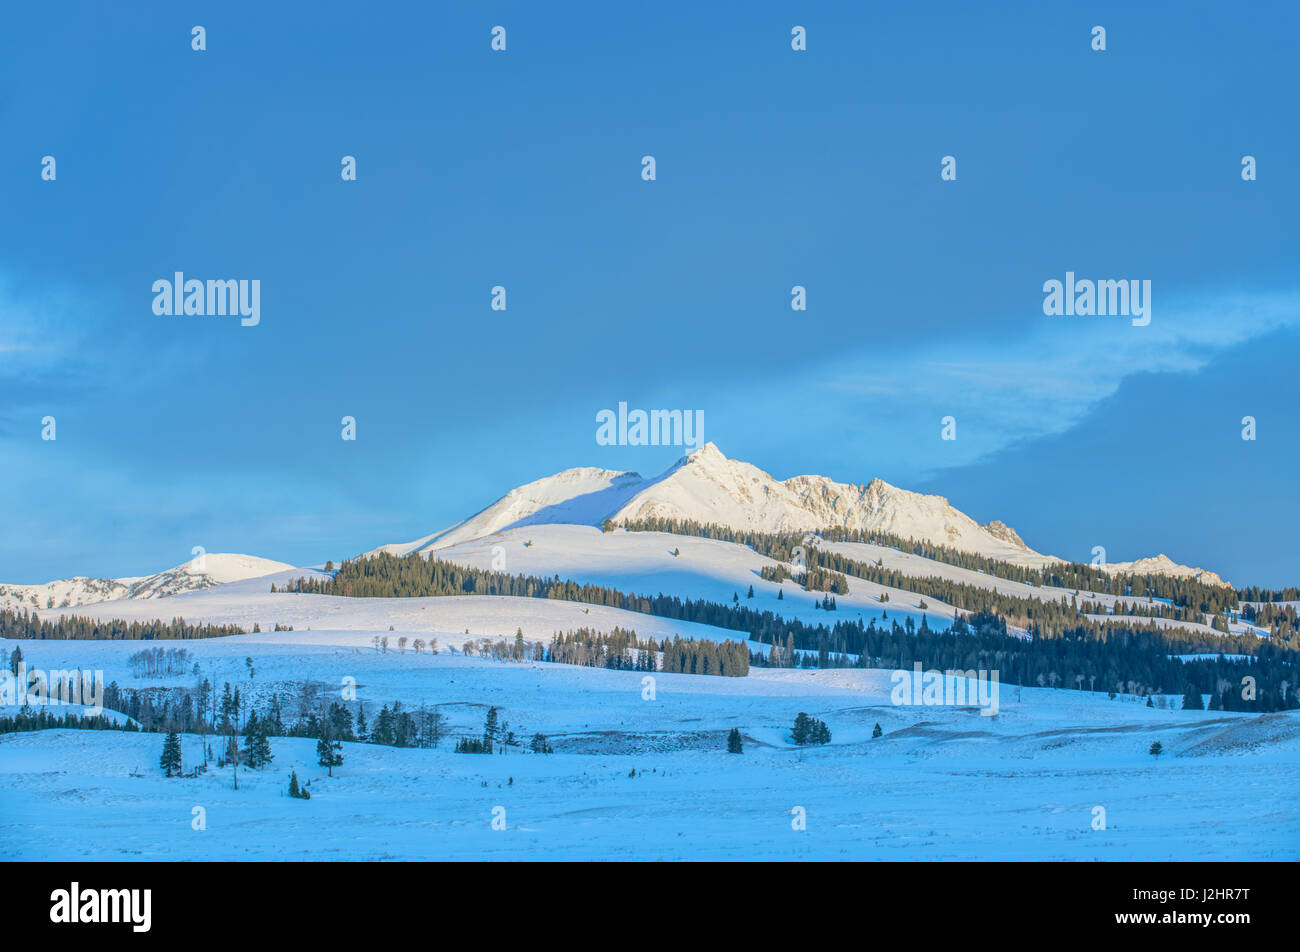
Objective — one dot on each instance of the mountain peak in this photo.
(708, 453)
(1000, 530)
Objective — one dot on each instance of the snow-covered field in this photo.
(941, 783)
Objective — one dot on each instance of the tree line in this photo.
(75, 628)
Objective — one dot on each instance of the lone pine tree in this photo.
(171, 754)
(257, 747)
(328, 750)
(733, 742)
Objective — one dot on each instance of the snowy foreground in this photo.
(942, 783)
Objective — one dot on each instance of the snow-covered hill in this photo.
(211, 569)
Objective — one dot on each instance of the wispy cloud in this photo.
(1006, 389)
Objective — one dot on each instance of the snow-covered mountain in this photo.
(704, 487)
(1163, 565)
(212, 569)
(707, 487)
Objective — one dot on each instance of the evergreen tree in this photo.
(384, 731)
(876, 732)
(1192, 700)
(257, 748)
(296, 790)
(802, 728)
(733, 742)
(328, 750)
(362, 731)
(1156, 749)
(171, 755)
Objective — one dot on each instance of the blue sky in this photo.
(522, 169)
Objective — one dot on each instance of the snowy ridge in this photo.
(215, 569)
(1162, 565)
(582, 496)
(708, 487)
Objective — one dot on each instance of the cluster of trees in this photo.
(156, 662)
(202, 710)
(24, 625)
(1253, 593)
(497, 736)
(296, 790)
(1112, 658)
(775, 573)
(815, 579)
(1282, 621)
(380, 643)
(40, 719)
(619, 649)
(502, 650)
(809, 730)
(622, 650)
(728, 659)
(818, 579)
